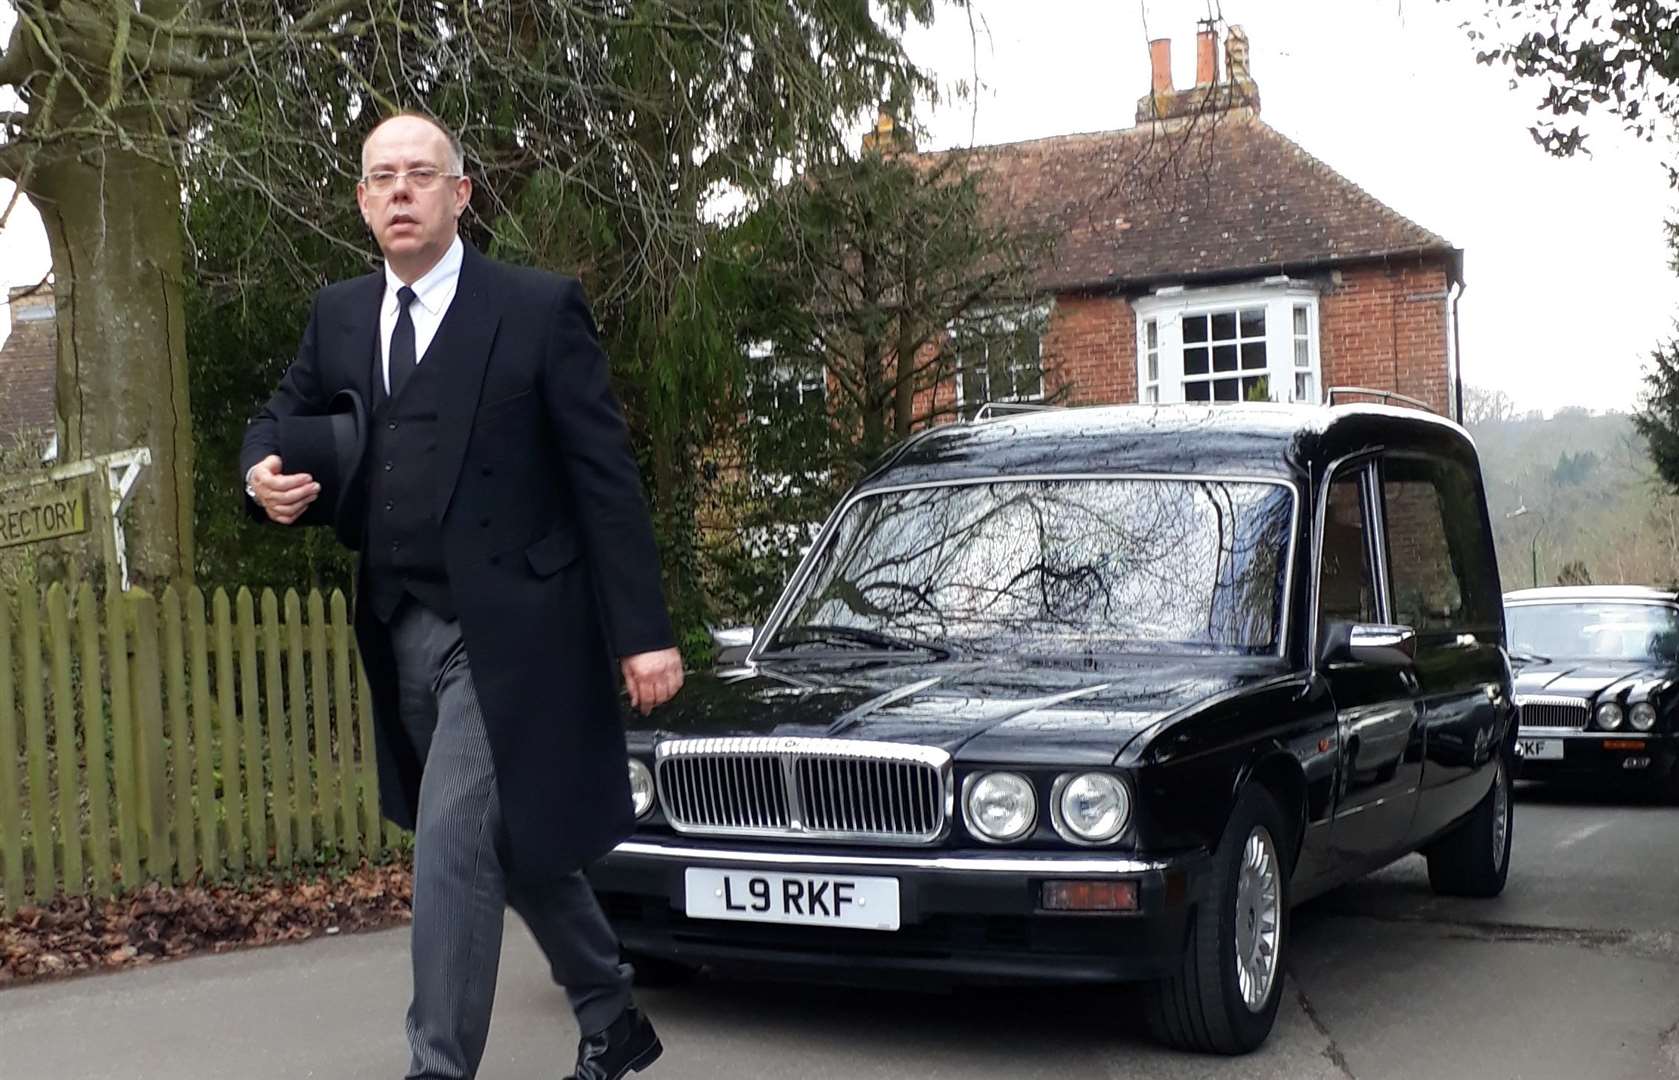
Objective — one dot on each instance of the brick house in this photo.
(27, 363)
(1203, 256)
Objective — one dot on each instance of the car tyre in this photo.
(1474, 858)
(1243, 922)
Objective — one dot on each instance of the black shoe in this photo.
(629, 1044)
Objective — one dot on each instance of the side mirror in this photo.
(1376, 644)
(733, 643)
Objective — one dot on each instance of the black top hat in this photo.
(330, 448)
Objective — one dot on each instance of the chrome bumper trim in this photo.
(1073, 863)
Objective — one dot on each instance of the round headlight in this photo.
(1001, 806)
(1093, 807)
(1609, 716)
(641, 788)
(1643, 716)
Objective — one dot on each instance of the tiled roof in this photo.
(1226, 196)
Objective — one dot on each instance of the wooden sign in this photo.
(28, 515)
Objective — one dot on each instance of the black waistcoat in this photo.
(404, 543)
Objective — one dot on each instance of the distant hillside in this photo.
(1591, 494)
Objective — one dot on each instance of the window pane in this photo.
(1152, 394)
(1302, 353)
(1304, 390)
(1224, 358)
(1226, 390)
(1029, 382)
(1428, 592)
(975, 388)
(1224, 326)
(1153, 330)
(1346, 590)
(1249, 386)
(1253, 354)
(1194, 328)
(1195, 391)
(1195, 361)
(1253, 322)
(1300, 316)
(1153, 367)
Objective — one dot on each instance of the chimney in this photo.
(1236, 55)
(886, 137)
(1206, 54)
(30, 303)
(1160, 60)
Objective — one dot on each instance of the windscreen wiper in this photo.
(835, 634)
(1529, 658)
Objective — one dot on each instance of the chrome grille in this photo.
(1552, 713)
(823, 789)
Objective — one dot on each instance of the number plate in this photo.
(863, 903)
(1539, 749)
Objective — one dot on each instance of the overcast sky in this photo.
(1565, 261)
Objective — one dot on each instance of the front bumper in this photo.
(965, 916)
(1597, 754)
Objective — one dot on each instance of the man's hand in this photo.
(653, 678)
(283, 495)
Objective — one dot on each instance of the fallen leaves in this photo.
(79, 934)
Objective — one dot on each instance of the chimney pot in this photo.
(1206, 56)
(1160, 61)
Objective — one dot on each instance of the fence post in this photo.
(11, 824)
(122, 739)
(93, 724)
(203, 708)
(250, 708)
(35, 739)
(148, 714)
(180, 742)
(303, 803)
(278, 754)
(326, 777)
(64, 739)
(346, 723)
(226, 694)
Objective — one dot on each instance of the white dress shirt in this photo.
(432, 295)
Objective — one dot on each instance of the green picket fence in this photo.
(163, 739)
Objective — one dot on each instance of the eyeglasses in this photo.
(421, 179)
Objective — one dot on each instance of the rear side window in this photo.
(1440, 566)
(1346, 587)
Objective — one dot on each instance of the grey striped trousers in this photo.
(460, 891)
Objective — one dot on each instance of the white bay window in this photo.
(1238, 343)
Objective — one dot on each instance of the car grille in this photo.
(1552, 713)
(822, 789)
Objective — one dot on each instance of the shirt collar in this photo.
(428, 291)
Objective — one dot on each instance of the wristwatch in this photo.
(250, 492)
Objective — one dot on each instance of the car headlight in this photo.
(1643, 716)
(1091, 808)
(641, 788)
(1001, 806)
(1609, 716)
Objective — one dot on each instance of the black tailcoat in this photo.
(546, 537)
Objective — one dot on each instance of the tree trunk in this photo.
(113, 219)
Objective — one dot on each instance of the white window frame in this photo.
(1166, 309)
(1039, 312)
(760, 360)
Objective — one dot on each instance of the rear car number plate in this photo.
(1539, 749)
(862, 903)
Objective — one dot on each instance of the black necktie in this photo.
(402, 342)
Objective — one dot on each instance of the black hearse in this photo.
(1092, 694)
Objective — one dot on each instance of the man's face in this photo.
(411, 224)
